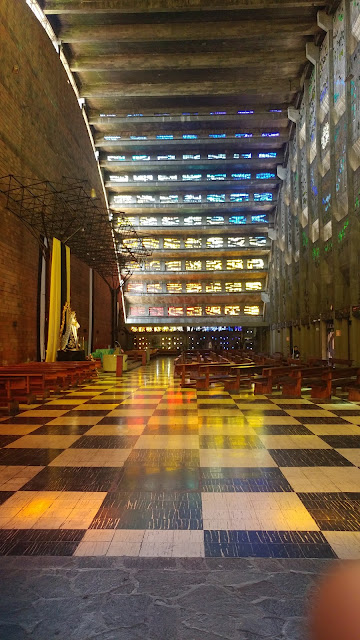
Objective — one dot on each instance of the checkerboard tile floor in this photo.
(138, 466)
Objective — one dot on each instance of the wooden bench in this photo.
(241, 375)
(333, 378)
(25, 382)
(269, 377)
(295, 379)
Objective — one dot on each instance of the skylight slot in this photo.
(119, 178)
(255, 263)
(239, 197)
(241, 176)
(269, 154)
(263, 197)
(191, 177)
(215, 197)
(216, 176)
(143, 177)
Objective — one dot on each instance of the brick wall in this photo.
(42, 135)
(102, 313)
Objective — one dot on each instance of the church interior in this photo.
(180, 316)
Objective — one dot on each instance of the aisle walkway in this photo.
(140, 467)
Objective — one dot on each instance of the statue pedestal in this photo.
(77, 355)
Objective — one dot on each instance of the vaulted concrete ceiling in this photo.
(162, 54)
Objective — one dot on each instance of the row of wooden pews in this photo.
(201, 369)
(30, 381)
(321, 377)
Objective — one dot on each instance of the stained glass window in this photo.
(215, 220)
(213, 265)
(192, 221)
(174, 287)
(339, 59)
(253, 286)
(175, 311)
(214, 243)
(216, 176)
(173, 265)
(124, 178)
(213, 287)
(255, 263)
(151, 243)
(191, 177)
(156, 311)
(166, 177)
(193, 265)
(234, 264)
(312, 116)
(143, 177)
(232, 310)
(215, 197)
(251, 310)
(257, 241)
(192, 243)
(138, 311)
(144, 198)
(259, 219)
(193, 287)
(154, 287)
(148, 221)
(239, 197)
(134, 287)
(236, 241)
(192, 198)
(213, 311)
(263, 197)
(324, 77)
(194, 311)
(233, 287)
(153, 265)
(237, 220)
(265, 176)
(170, 221)
(123, 199)
(172, 243)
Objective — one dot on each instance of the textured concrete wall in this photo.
(42, 135)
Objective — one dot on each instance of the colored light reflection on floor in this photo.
(139, 466)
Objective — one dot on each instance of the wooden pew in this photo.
(295, 379)
(331, 379)
(241, 375)
(269, 377)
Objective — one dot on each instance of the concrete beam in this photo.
(209, 88)
(187, 31)
(158, 6)
(180, 61)
(260, 118)
(312, 52)
(324, 21)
